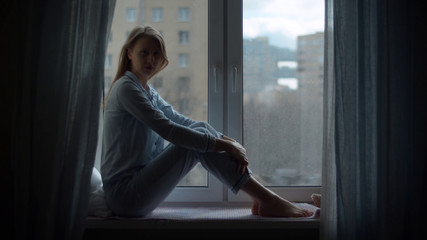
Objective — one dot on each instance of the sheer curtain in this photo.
(58, 82)
(374, 164)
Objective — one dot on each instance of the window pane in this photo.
(182, 85)
(183, 60)
(157, 14)
(131, 15)
(283, 90)
(183, 37)
(184, 14)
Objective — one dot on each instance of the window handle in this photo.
(233, 84)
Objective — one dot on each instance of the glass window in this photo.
(110, 38)
(108, 61)
(131, 14)
(157, 14)
(183, 37)
(183, 60)
(184, 14)
(283, 118)
(262, 66)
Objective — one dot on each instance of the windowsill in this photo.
(214, 221)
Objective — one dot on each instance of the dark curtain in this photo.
(54, 67)
(375, 172)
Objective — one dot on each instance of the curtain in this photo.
(374, 161)
(58, 79)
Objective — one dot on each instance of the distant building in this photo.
(309, 56)
(259, 64)
(310, 62)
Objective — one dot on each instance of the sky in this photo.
(282, 20)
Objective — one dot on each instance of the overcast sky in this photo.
(282, 20)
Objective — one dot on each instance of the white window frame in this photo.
(226, 101)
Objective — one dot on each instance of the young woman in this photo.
(138, 172)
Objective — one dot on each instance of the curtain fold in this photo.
(374, 176)
(59, 88)
(328, 217)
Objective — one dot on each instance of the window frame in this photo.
(225, 83)
(225, 99)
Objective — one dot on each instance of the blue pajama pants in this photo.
(141, 193)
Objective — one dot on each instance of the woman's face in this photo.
(144, 57)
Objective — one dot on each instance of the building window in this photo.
(157, 14)
(158, 84)
(131, 15)
(110, 38)
(108, 61)
(184, 37)
(183, 60)
(184, 14)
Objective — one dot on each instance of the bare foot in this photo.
(255, 208)
(279, 207)
(316, 199)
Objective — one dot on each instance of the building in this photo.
(184, 26)
(259, 64)
(310, 85)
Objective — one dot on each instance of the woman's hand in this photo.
(235, 149)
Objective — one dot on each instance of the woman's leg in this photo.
(269, 204)
(265, 202)
(140, 193)
(147, 187)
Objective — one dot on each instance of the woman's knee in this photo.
(205, 128)
(199, 125)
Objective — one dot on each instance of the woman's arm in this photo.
(132, 100)
(173, 115)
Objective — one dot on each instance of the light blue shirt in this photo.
(136, 122)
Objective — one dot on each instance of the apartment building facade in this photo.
(184, 26)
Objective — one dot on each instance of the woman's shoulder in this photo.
(125, 83)
(124, 80)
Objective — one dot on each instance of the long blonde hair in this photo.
(124, 62)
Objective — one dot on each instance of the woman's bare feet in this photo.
(316, 199)
(268, 204)
(255, 207)
(279, 207)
